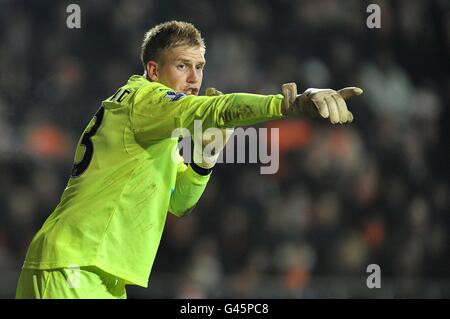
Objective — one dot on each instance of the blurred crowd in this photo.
(374, 192)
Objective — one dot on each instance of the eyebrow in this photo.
(190, 62)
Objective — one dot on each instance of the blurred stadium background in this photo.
(375, 192)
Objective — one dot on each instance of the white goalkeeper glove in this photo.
(318, 103)
(207, 147)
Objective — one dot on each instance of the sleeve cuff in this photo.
(204, 172)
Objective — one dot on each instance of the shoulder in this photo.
(157, 92)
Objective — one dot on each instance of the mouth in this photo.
(191, 91)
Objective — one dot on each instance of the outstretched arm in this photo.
(192, 180)
(315, 103)
(158, 111)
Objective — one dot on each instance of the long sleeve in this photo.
(188, 189)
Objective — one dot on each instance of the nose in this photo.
(193, 76)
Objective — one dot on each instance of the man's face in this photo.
(182, 69)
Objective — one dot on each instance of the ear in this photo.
(152, 70)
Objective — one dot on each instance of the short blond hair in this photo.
(168, 35)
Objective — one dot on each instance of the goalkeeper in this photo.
(105, 232)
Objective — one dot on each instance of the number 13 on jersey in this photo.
(79, 167)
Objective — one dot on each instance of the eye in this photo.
(200, 67)
(181, 66)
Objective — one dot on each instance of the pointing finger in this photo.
(348, 92)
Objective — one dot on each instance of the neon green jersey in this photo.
(125, 178)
